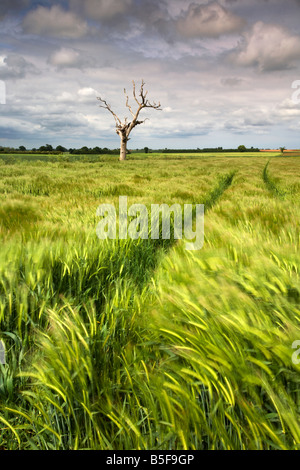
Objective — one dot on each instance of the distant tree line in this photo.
(48, 149)
(241, 148)
(94, 151)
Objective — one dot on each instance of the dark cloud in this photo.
(54, 21)
(232, 81)
(101, 10)
(12, 6)
(210, 20)
(59, 123)
(15, 66)
(11, 133)
(257, 122)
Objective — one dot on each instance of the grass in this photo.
(141, 344)
(271, 184)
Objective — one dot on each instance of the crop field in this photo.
(141, 344)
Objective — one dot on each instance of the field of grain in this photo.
(141, 344)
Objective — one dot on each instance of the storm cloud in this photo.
(211, 20)
(54, 21)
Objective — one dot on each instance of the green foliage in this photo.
(17, 216)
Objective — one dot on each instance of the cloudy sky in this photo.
(223, 71)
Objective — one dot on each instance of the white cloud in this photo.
(211, 20)
(287, 109)
(54, 22)
(87, 95)
(87, 92)
(65, 97)
(269, 47)
(65, 57)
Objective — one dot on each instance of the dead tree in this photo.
(123, 129)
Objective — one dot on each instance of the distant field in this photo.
(126, 344)
(291, 154)
(135, 156)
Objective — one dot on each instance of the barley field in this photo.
(141, 344)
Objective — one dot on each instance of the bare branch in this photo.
(142, 122)
(143, 103)
(108, 107)
(134, 94)
(153, 105)
(127, 103)
(143, 94)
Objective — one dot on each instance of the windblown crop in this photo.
(126, 344)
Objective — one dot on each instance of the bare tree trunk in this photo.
(123, 148)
